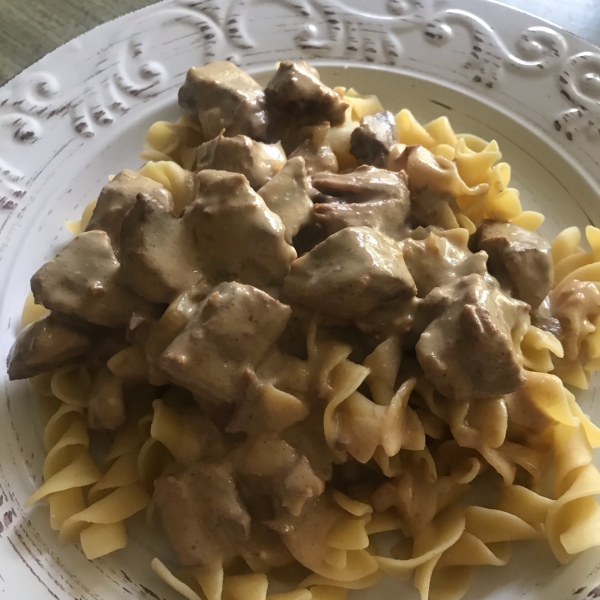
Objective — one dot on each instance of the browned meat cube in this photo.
(157, 335)
(287, 196)
(370, 143)
(521, 260)
(202, 514)
(118, 196)
(158, 252)
(257, 161)
(297, 92)
(230, 333)
(106, 404)
(49, 343)
(468, 351)
(84, 280)
(349, 274)
(237, 236)
(367, 197)
(222, 96)
(385, 216)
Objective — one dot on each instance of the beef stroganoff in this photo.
(308, 324)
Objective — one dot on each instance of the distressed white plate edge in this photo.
(88, 90)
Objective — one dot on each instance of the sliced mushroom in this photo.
(372, 141)
(367, 197)
(364, 184)
(55, 341)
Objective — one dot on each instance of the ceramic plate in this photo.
(80, 114)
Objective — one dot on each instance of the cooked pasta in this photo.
(68, 467)
(284, 412)
(173, 141)
(577, 274)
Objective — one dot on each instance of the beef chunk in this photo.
(230, 333)
(117, 198)
(287, 196)
(273, 467)
(84, 280)
(257, 161)
(440, 259)
(521, 260)
(222, 96)
(387, 217)
(371, 142)
(296, 91)
(158, 252)
(367, 197)
(52, 342)
(106, 405)
(314, 148)
(349, 274)
(237, 236)
(155, 336)
(202, 514)
(469, 352)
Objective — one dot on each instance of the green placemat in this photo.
(29, 29)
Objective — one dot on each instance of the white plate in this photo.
(80, 114)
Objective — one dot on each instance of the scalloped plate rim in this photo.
(39, 566)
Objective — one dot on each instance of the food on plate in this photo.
(307, 323)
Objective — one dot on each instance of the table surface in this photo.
(29, 29)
